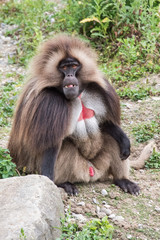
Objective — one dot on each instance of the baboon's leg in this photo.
(71, 167)
(120, 169)
(109, 162)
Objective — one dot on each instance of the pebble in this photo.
(112, 216)
(97, 209)
(140, 226)
(81, 204)
(106, 211)
(129, 236)
(107, 206)
(104, 192)
(157, 209)
(119, 218)
(95, 201)
(101, 215)
(79, 217)
(78, 210)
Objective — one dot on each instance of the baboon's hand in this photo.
(70, 188)
(124, 148)
(128, 186)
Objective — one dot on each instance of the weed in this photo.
(93, 230)
(22, 235)
(8, 97)
(7, 167)
(137, 94)
(34, 19)
(154, 161)
(146, 131)
(100, 30)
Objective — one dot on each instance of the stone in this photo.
(95, 201)
(157, 209)
(106, 211)
(118, 219)
(101, 214)
(31, 203)
(77, 210)
(97, 209)
(107, 206)
(81, 204)
(112, 216)
(79, 217)
(104, 192)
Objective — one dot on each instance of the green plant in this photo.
(100, 30)
(7, 167)
(134, 94)
(8, 97)
(93, 230)
(34, 19)
(154, 160)
(22, 235)
(146, 131)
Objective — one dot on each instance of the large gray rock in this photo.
(32, 203)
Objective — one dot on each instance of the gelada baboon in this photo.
(67, 122)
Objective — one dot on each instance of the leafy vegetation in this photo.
(93, 230)
(126, 33)
(34, 19)
(154, 160)
(144, 132)
(138, 93)
(7, 168)
(22, 235)
(8, 97)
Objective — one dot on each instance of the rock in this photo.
(107, 206)
(78, 210)
(118, 219)
(63, 193)
(97, 209)
(31, 203)
(157, 209)
(95, 201)
(79, 217)
(129, 236)
(112, 216)
(81, 204)
(89, 205)
(104, 192)
(106, 211)
(140, 226)
(101, 214)
(113, 195)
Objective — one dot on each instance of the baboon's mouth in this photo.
(70, 86)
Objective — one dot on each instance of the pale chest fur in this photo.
(88, 111)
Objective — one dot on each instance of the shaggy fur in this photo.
(44, 118)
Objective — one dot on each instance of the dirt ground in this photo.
(133, 217)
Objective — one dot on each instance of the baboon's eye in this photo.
(74, 66)
(64, 67)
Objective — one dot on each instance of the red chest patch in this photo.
(86, 112)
